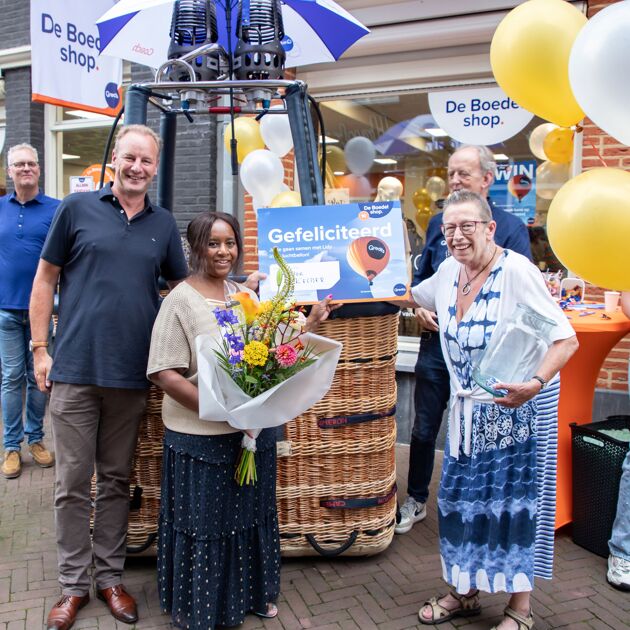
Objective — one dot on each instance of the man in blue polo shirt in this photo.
(472, 168)
(107, 249)
(25, 216)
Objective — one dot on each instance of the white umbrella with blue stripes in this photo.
(316, 31)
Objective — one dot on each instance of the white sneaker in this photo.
(411, 512)
(618, 573)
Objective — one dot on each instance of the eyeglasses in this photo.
(468, 227)
(22, 165)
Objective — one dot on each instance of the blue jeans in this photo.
(430, 398)
(619, 543)
(17, 367)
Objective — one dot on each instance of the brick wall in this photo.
(598, 146)
(15, 23)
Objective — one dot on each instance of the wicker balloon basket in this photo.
(336, 490)
(336, 484)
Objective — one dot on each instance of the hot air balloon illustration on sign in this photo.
(519, 186)
(368, 256)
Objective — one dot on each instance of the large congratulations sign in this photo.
(66, 67)
(484, 116)
(356, 252)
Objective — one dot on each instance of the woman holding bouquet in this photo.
(218, 549)
(496, 500)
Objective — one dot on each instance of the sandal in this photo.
(272, 611)
(523, 623)
(468, 607)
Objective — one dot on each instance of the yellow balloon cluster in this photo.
(589, 227)
(248, 138)
(530, 53)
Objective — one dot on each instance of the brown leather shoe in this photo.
(41, 455)
(64, 613)
(121, 604)
(12, 464)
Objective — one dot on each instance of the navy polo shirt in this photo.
(23, 229)
(511, 233)
(109, 286)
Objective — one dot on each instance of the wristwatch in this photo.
(37, 344)
(541, 380)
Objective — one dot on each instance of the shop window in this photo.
(407, 144)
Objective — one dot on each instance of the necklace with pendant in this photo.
(466, 288)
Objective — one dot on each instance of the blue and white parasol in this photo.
(316, 31)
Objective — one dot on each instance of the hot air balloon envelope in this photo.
(368, 256)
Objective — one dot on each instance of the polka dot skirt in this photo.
(218, 548)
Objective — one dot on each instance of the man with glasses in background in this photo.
(25, 216)
(469, 168)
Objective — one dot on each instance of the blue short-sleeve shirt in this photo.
(23, 229)
(108, 286)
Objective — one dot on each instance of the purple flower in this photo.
(235, 341)
(225, 317)
(235, 358)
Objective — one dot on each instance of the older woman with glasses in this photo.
(496, 499)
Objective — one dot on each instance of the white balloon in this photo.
(359, 153)
(597, 67)
(537, 138)
(276, 132)
(262, 174)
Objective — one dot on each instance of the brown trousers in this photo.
(94, 429)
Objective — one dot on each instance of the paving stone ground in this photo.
(383, 591)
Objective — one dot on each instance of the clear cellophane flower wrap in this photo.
(262, 370)
(221, 399)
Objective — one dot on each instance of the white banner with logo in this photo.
(481, 116)
(66, 67)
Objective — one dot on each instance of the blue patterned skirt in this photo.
(218, 547)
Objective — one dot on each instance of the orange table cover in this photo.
(597, 336)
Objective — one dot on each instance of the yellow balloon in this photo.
(588, 225)
(558, 145)
(286, 199)
(550, 176)
(423, 216)
(436, 187)
(529, 55)
(335, 158)
(537, 139)
(421, 199)
(248, 138)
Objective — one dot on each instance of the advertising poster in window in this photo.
(514, 189)
(354, 252)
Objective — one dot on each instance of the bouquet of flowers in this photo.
(262, 372)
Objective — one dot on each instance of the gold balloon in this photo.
(529, 55)
(436, 187)
(286, 199)
(248, 138)
(335, 158)
(589, 227)
(421, 199)
(537, 139)
(558, 145)
(423, 216)
(550, 176)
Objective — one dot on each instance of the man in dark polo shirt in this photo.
(107, 250)
(471, 168)
(25, 216)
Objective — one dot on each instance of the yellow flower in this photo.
(265, 307)
(250, 308)
(255, 353)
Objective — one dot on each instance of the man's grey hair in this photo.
(466, 196)
(21, 147)
(486, 159)
(141, 129)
